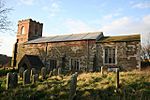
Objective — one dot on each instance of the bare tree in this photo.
(146, 47)
(4, 21)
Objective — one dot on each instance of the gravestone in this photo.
(15, 79)
(73, 85)
(21, 70)
(55, 72)
(26, 77)
(33, 71)
(59, 71)
(11, 80)
(43, 73)
(102, 71)
(117, 78)
(8, 80)
(35, 78)
(50, 73)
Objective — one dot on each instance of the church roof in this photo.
(70, 37)
(120, 38)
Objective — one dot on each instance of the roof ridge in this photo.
(69, 37)
(76, 33)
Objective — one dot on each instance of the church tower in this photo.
(28, 29)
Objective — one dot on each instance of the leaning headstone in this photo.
(21, 70)
(50, 73)
(26, 77)
(73, 85)
(43, 73)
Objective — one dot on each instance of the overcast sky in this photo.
(112, 17)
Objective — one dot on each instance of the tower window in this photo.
(22, 30)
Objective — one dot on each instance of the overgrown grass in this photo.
(134, 85)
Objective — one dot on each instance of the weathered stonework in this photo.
(127, 54)
(85, 51)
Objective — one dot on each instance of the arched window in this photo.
(22, 30)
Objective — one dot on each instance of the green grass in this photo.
(90, 86)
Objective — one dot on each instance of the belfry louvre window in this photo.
(109, 56)
(75, 64)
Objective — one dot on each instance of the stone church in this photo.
(77, 52)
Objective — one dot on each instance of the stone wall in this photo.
(127, 54)
(89, 53)
(83, 50)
